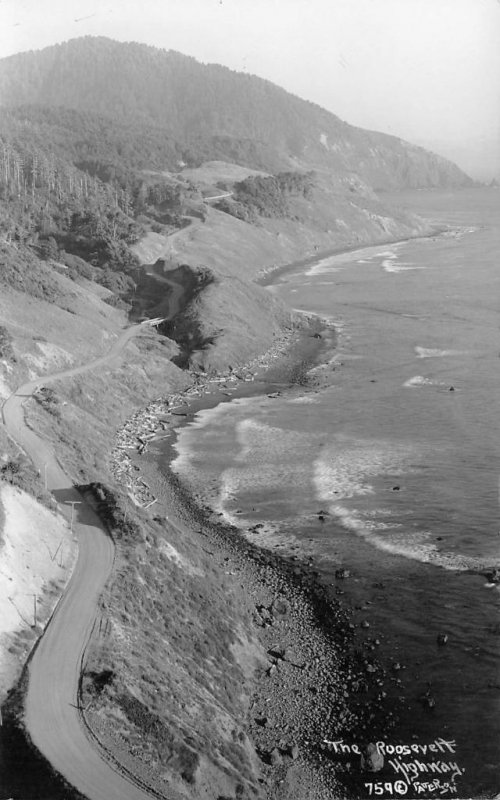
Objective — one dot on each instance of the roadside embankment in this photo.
(37, 556)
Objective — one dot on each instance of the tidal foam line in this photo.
(434, 352)
(412, 545)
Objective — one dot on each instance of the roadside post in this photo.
(73, 503)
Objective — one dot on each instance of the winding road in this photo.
(52, 714)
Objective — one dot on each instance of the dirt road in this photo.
(52, 716)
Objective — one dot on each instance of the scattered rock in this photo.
(264, 613)
(494, 575)
(442, 638)
(371, 759)
(427, 700)
(278, 652)
(342, 573)
(294, 752)
(396, 488)
(280, 607)
(275, 757)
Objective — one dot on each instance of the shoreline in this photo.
(320, 621)
(383, 707)
(307, 635)
(266, 276)
(296, 351)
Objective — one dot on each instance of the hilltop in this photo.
(211, 112)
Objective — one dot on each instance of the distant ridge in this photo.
(211, 112)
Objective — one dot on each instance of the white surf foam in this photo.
(186, 442)
(343, 468)
(308, 399)
(260, 441)
(434, 352)
(342, 474)
(391, 266)
(337, 261)
(324, 267)
(414, 545)
(459, 232)
(269, 463)
(418, 380)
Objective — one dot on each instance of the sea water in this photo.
(396, 445)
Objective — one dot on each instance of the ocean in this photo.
(387, 463)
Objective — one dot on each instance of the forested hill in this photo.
(192, 112)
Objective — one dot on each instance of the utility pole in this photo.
(73, 503)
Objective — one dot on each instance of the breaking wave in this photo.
(431, 352)
(390, 266)
(419, 380)
(341, 471)
(397, 540)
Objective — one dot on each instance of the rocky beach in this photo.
(309, 685)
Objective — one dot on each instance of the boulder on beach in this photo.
(371, 759)
(494, 575)
(277, 652)
(280, 607)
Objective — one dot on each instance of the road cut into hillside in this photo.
(52, 714)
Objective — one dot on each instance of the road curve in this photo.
(52, 715)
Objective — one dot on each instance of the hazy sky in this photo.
(425, 70)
